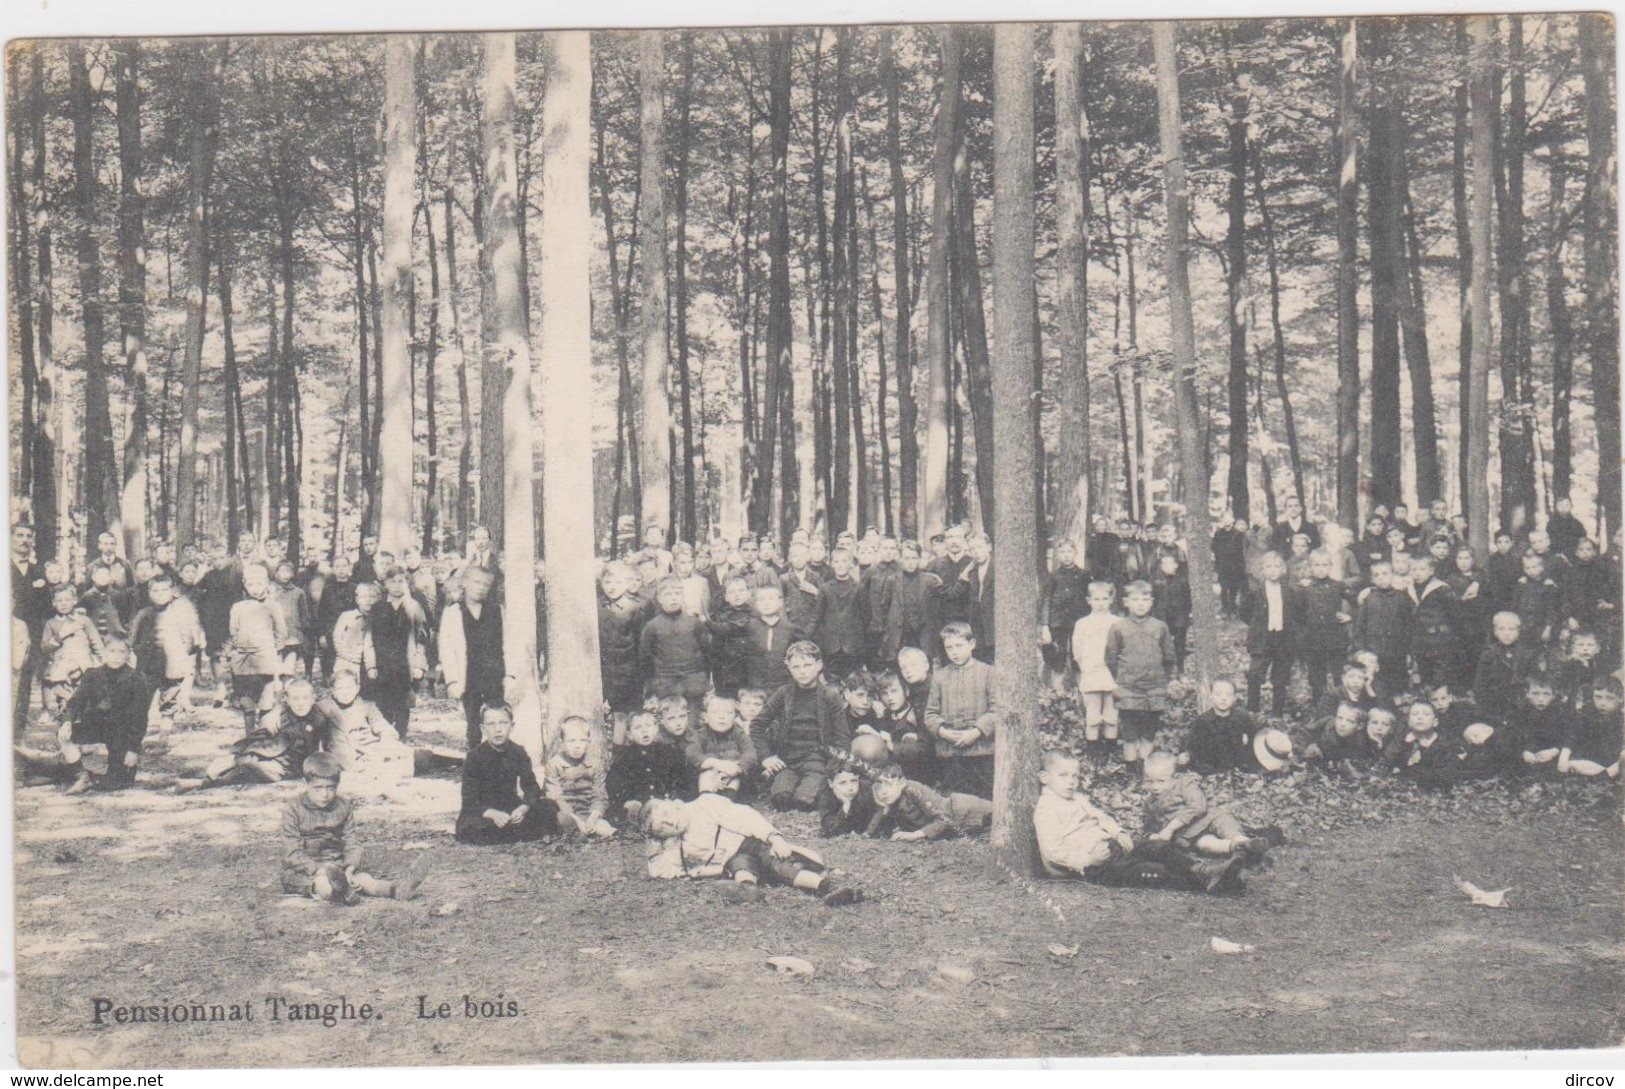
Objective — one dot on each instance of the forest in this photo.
(248, 275)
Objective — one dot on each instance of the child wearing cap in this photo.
(713, 837)
(319, 858)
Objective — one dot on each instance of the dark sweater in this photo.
(854, 820)
(804, 727)
(673, 646)
(1219, 743)
(110, 708)
(496, 779)
(640, 772)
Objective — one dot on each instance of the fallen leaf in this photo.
(1063, 950)
(448, 908)
(1220, 945)
(1483, 897)
(956, 973)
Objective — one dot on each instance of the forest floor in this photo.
(1362, 941)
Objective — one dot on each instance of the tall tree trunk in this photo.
(887, 515)
(1386, 127)
(967, 276)
(132, 296)
(1204, 603)
(1413, 321)
(1278, 335)
(101, 472)
(575, 684)
(626, 458)
(1558, 320)
(775, 409)
(1515, 415)
(841, 507)
(693, 468)
(908, 438)
(1464, 262)
(654, 431)
(1484, 104)
(47, 491)
(934, 498)
(375, 437)
(1015, 568)
(363, 327)
(232, 407)
(21, 260)
(855, 398)
(508, 352)
(1072, 452)
(290, 441)
(395, 389)
(1347, 185)
(465, 416)
(431, 356)
(203, 73)
(1601, 260)
(1236, 278)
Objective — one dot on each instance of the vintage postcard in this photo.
(504, 531)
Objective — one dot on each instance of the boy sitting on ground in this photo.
(1339, 740)
(1075, 839)
(276, 750)
(1593, 744)
(319, 860)
(908, 811)
(721, 756)
(366, 746)
(107, 709)
(802, 728)
(502, 801)
(646, 767)
(1221, 738)
(575, 779)
(1178, 812)
(714, 837)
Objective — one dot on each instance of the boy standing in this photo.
(1272, 626)
(255, 647)
(960, 713)
(839, 630)
(1382, 625)
(1140, 655)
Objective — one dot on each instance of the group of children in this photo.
(855, 683)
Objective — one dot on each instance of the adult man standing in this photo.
(30, 604)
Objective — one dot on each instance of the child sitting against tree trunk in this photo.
(575, 779)
(714, 837)
(319, 860)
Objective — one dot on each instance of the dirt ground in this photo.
(1362, 941)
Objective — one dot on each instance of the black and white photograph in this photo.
(851, 542)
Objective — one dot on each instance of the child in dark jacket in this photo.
(910, 811)
(1272, 628)
(502, 801)
(721, 756)
(1594, 742)
(768, 639)
(801, 729)
(109, 708)
(1221, 738)
(1435, 637)
(1503, 667)
(1326, 621)
(620, 626)
(839, 631)
(1541, 722)
(1382, 625)
(673, 649)
(729, 628)
(1171, 590)
(1339, 740)
(645, 767)
(846, 805)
